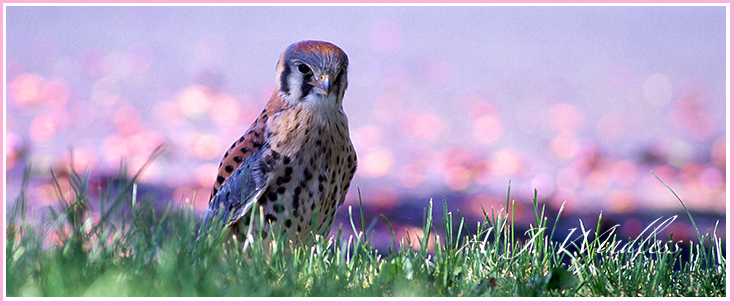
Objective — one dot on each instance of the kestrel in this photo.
(296, 160)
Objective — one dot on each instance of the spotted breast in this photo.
(296, 161)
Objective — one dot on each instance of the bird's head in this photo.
(313, 71)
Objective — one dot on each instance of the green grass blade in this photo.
(698, 234)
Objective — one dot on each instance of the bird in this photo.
(296, 161)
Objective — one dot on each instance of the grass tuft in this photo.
(136, 249)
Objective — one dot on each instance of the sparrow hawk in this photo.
(296, 160)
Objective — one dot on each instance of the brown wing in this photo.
(240, 150)
(248, 144)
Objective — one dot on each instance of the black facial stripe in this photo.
(305, 86)
(284, 79)
(339, 79)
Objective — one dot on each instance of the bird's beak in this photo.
(324, 83)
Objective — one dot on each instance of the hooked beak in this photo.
(324, 83)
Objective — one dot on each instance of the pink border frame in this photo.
(320, 301)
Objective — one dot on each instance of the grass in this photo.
(136, 249)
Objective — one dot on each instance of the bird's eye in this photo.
(303, 69)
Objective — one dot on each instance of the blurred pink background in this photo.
(580, 103)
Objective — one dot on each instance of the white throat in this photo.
(326, 109)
